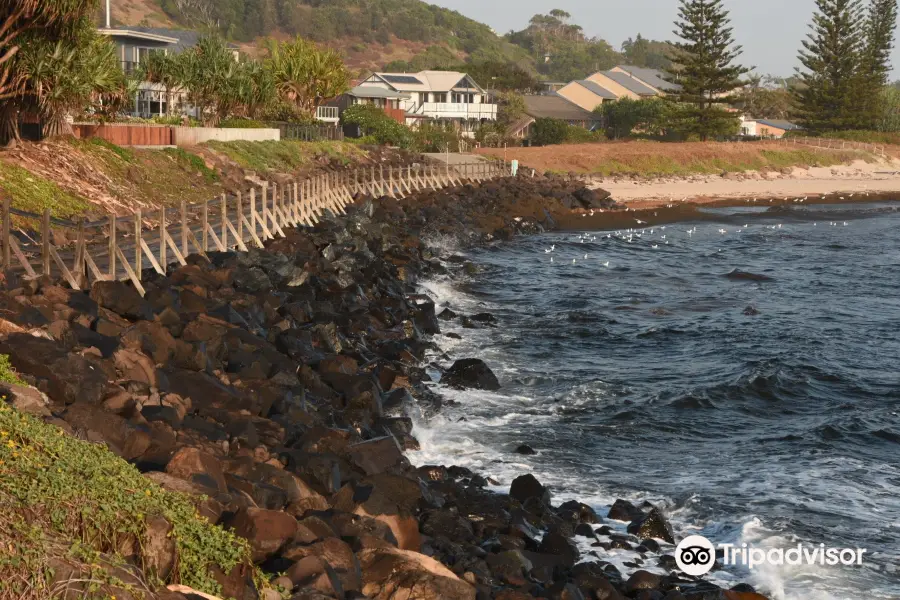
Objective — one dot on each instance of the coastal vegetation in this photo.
(647, 159)
(69, 502)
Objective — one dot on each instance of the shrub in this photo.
(7, 373)
(545, 132)
(580, 135)
(241, 123)
(374, 122)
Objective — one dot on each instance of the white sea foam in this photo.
(461, 435)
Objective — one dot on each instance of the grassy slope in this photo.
(63, 499)
(91, 178)
(650, 159)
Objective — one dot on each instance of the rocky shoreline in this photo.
(273, 387)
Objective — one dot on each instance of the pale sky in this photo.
(769, 30)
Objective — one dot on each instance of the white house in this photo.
(446, 96)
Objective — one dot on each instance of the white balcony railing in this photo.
(457, 110)
(327, 114)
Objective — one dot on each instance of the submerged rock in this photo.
(738, 275)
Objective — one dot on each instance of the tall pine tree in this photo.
(875, 64)
(706, 69)
(829, 95)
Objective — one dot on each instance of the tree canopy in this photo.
(707, 72)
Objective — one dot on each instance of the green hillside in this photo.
(410, 35)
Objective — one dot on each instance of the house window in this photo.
(141, 54)
(439, 97)
(463, 98)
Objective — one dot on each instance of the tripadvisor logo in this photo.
(696, 555)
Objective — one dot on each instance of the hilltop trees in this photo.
(641, 52)
(707, 71)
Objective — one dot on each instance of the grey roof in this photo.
(597, 89)
(779, 124)
(629, 82)
(556, 107)
(372, 91)
(653, 77)
(187, 38)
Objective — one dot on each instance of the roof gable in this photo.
(429, 81)
(597, 89)
(652, 77)
(630, 83)
(556, 107)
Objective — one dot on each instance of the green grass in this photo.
(284, 156)
(63, 497)
(7, 373)
(32, 192)
(192, 162)
(124, 153)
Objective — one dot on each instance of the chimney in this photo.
(108, 20)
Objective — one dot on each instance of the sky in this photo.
(769, 30)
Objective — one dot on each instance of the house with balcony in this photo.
(135, 44)
(439, 96)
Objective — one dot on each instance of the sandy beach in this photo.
(860, 176)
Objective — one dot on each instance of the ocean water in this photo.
(754, 411)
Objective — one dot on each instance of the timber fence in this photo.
(167, 236)
(835, 144)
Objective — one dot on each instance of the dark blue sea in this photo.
(760, 409)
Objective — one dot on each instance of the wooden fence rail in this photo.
(835, 144)
(169, 235)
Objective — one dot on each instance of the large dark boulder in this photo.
(121, 299)
(557, 544)
(527, 486)
(389, 573)
(471, 373)
(652, 525)
(623, 510)
(64, 377)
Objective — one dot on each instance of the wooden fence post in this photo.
(225, 221)
(253, 211)
(162, 239)
(112, 247)
(240, 216)
(138, 250)
(6, 233)
(205, 225)
(79, 255)
(45, 242)
(184, 230)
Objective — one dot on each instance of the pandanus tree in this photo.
(62, 78)
(166, 70)
(305, 75)
(211, 75)
(31, 23)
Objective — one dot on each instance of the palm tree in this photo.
(305, 75)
